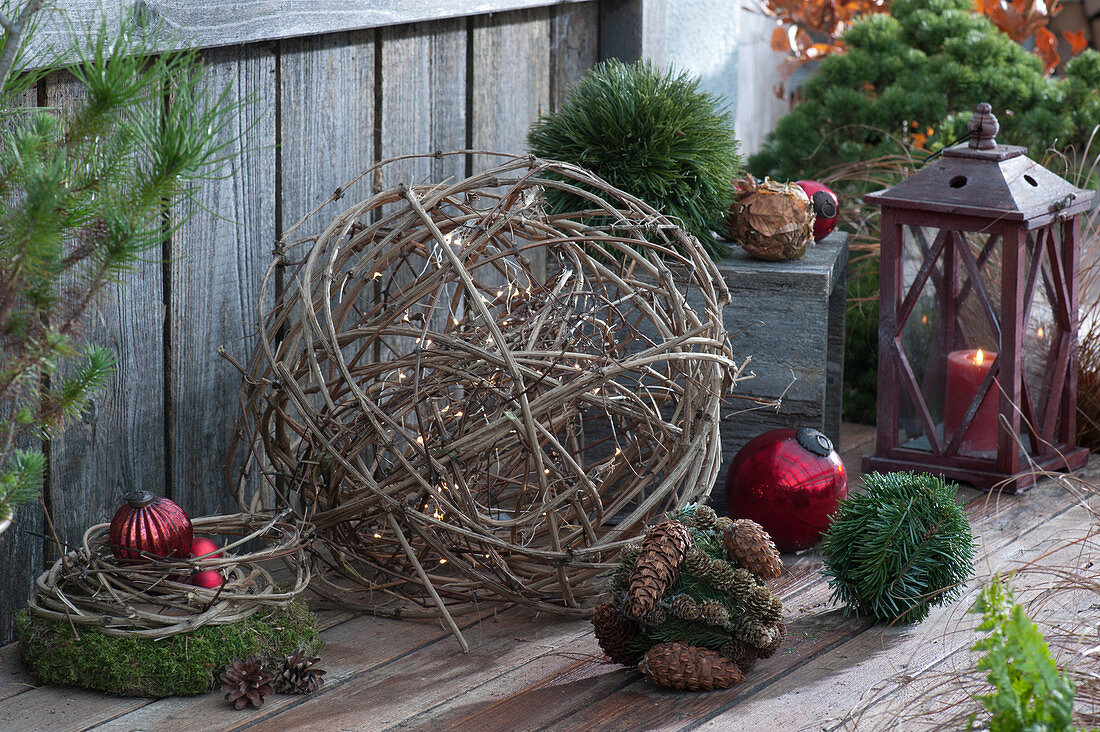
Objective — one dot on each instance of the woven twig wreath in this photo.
(151, 599)
(473, 399)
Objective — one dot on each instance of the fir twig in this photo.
(899, 548)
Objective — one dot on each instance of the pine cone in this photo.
(740, 652)
(245, 681)
(769, 650)
(746, 543)
(614, 631)
(752, 631)
(689, 668)
(685, 607)
(714, 612)
(299, 675)
(657, 567)
(703, 517)
(763, 606)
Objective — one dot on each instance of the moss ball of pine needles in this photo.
(653, 134)
(899, 548)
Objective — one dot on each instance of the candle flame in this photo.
(979, 357)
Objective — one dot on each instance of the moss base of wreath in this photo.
(184, 664)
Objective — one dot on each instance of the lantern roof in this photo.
(982, 178)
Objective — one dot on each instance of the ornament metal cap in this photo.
(139, 499)
(814, 441)
(824, 205)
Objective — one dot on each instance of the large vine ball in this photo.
(474, 399)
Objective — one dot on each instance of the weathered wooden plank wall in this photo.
(322, 108)
(107, 452)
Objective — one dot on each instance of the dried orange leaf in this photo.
(1076, 40)
(780, 41)
(1046, 45)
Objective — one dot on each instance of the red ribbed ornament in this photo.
(150, 524)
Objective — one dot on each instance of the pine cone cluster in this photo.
(683, 667)
(299, 674)
(614, 631)
(657, 567)
(747, 543)
(246, 681)
(693, 593)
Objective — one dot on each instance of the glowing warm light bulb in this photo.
(377, 535)
(979, 357)
(442, 561)
(1040, 332)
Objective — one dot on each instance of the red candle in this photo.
(965, 372)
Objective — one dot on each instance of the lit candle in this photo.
(965, 372)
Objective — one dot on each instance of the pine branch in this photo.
(21, 480)
(13, 38)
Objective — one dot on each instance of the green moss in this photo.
(183, 664)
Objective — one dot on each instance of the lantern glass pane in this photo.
(1044, 337)
(920, 398)
(948, 330)
(971, 357)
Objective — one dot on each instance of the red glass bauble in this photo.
(150, 524)
(789, 481)
(210, 579)
(201, 546)
(826, 207)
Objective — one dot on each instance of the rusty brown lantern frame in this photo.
(980, 241)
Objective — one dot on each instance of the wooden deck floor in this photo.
(528, 672)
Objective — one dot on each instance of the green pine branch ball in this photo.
(899, 548)
(653, 134)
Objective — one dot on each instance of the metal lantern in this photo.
(978, 317)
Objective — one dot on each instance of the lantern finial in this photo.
(983, 128)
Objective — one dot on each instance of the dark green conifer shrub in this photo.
(899, 548)
(651, 133)
(917, 74)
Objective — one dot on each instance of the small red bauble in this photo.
(152, 525)
(825, 204)
(210, 579)
(788, 481)
(202, 546)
